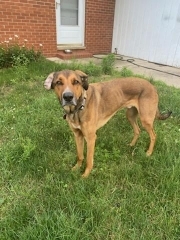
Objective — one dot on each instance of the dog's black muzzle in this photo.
(68, 99)
(68, 96)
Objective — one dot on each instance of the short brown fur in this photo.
(102, 100)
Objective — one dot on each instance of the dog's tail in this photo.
(163, 116)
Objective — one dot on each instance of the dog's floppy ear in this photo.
(48, 81)
(84, 79)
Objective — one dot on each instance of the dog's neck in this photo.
(80, 106)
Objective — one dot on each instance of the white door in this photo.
(148, 29)
(70, 21)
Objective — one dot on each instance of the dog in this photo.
(89, 106)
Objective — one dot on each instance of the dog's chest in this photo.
(76, 126)
(73, 122)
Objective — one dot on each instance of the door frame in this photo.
(81, 25)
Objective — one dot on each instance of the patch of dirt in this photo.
(4, 91)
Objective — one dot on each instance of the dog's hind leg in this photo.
(132, 115)
(147, 113)
(149, 128)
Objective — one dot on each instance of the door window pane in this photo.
(69, 12)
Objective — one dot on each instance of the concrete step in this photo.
(75, 53)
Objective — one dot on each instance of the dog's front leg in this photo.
(90, 139)
(79, 139)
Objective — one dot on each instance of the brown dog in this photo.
(89, 106)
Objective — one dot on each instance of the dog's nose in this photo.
(68, 96)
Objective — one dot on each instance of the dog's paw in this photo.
(85, 175)
(76, 167)
(148, 153)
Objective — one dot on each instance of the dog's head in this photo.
(68, 86)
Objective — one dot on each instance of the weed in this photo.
(125, 72)
(108, 63)
(92, 69)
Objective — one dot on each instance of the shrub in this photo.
(14, 53)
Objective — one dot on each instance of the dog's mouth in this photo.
(68, 106)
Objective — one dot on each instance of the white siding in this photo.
(148, 29)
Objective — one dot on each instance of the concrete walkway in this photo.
(167, 74)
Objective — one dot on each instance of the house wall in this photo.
(35, 20)
(148, 30)
(99, 25)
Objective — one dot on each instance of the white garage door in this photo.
(148, 29)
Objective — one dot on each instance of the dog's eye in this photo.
(75, 82)
(59, 83)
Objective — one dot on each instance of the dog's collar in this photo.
(83, 101)
(79, 108)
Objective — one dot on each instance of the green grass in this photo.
(127, 195)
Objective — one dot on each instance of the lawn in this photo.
(127, 195)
